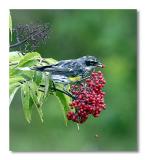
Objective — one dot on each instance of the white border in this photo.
(69, 4)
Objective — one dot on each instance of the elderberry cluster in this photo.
(89, 98)
(28, 37)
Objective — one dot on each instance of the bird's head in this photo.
(92, 62)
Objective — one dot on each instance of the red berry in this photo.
(89, 98)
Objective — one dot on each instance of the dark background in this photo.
(110, 35)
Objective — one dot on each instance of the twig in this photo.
(23, 41)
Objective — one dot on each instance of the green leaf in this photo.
(37, 78)
(50, 60)
(64, 101)
(14, 72)
(13, 90)
(14, 57)
(29, 57)
(14, 86)
(43, 91)
(34, 96)
(25, 96)
(46, 84)
(10, 25)
(28, 75)
(15, 79)
(29, 63)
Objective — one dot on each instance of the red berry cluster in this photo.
(89, 98)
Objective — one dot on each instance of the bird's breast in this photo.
(74, 79)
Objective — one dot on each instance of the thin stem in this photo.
(65, 92)
(59, 90)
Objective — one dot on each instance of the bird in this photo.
(72, 70)
(69, 71)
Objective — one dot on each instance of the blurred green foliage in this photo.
(110, 35)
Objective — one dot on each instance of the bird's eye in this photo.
(90, 63)
(93, 63)
(87, 63)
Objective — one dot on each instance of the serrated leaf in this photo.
(31, 56)
(25, 97)
(50, 60)
(12, 93)
(14, 86)
(14, 72)
(15, 79)
(41, 98)
(46, 84)
(26, 74)
(64, 101)
(14, 57)
(33, 93)
(29, 63)
(37, 78)
(34, 96)
(43, 90)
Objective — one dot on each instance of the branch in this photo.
(23, 41)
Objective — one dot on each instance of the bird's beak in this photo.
(101, 65)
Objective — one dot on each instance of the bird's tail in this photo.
(38, 68)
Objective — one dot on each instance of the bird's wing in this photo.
(66, 67)
(69, 64)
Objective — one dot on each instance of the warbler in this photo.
(70, 71)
